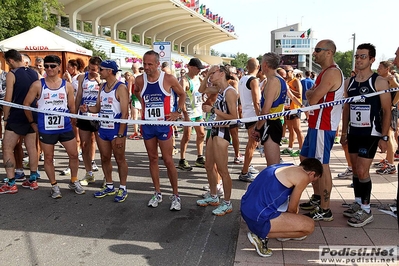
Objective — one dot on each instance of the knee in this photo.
(308, 227)
(105, 158)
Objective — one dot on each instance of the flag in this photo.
(303, 35)
(203, 10)
(308, 32)
(207, 12)
(197, 4)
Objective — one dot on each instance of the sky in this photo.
(372, 21)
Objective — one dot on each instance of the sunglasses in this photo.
(318, 50)
(361, 56)
(50, 66)
(101, 69)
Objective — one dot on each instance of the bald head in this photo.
(329, 44)
(252, 65)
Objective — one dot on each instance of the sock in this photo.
(199, 156)
(90, 173)
(122, 187)
(358, 200)
(74, 179)
(110, 185)
(19, 171)
(11, 181)
(32, 176)
(356, 190)
(365, 190)
(316, 197)
(366, 207)
(182, 160)
(214, 196)
(227, 202)
(54, 184)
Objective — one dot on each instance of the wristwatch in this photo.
(178, 110)
(120, 135)
(385, 138)
(213, 110)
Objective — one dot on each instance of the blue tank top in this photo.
(278, 104)
(265, 195)
(24, 77)
(54, 100)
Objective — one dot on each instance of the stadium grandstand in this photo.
(126, 29)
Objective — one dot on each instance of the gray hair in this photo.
(272, 60)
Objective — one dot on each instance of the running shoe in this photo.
(208, 193)
(293, 238)
(223, 209)
(77, 187)
(6, 189)
(260, 245)
(87, 179)
(396, 156)
(67, 171)
(200, 162)
(155, 200)
(20, 177)
(295, 153)
(176, 203)
(208, 201)
(286, 151)
(361, 218)
(318, 214)
(381, 163)
(248, 177)
(55, 192)
(347, 174)
(311, 204)
(253, 170)
(121, 195)
(183, 165)
(239, 159)
(388, 169)
(32, 185)
(353, 208)
(105, 192)
(94, 166)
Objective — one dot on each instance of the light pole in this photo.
(353, 55)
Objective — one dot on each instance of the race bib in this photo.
(53, 122)
(154, 112)
(360, 116)
(107, 124)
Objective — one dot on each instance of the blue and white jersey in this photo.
(110, 107)
(54, 100)
(90, 89)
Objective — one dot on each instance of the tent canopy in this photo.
(39, 39)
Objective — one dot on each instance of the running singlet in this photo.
(327, 118)
(364, 114)
(194, 98)
(247, 103)
(295, 92)
(110, 107)
(90, 90)
(278, 103)
(54, 100)
(156, 100)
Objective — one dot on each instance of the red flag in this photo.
(303, 35)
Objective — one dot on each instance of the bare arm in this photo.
(33, 93)
(79, 93)
(255, 92)
(272, 88)
(330, 81)
(10, 81)
(70, 97)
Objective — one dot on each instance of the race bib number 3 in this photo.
(360, 115)
(53, 122)
(154, 111)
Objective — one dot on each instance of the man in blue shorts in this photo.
(154, 89)
(270, 205)
(113, 103)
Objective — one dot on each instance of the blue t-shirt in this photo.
(307, 84)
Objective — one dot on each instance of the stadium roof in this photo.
(160, 20)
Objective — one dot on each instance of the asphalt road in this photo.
(82, 230)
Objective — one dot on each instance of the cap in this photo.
(196, 62)
(109, 64)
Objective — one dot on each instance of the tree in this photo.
(344, 61)
(89, 44)
(214, 52)
(240, 60)
(17, 16)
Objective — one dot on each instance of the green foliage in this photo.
(344, 61)
(17, 16)
(136, 38)
(122, 35)
(214, 52)
(89, 44)
(240, 60)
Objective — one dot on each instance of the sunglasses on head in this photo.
(51, 66)
(318, 50)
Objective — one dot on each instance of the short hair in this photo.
(95, 60)
(387, 64)
(152, 52)
(312, 164)
(14, 55)
(164, 64)
(52, 59)
(271, 59)
(78, 63)
(39, 60)
(26, 58)
(331, 46)
(307, 73)
(368, 46)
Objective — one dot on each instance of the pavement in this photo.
(82, 230)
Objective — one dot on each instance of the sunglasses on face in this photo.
(50, 66)
(361, 56)
(318, 50)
